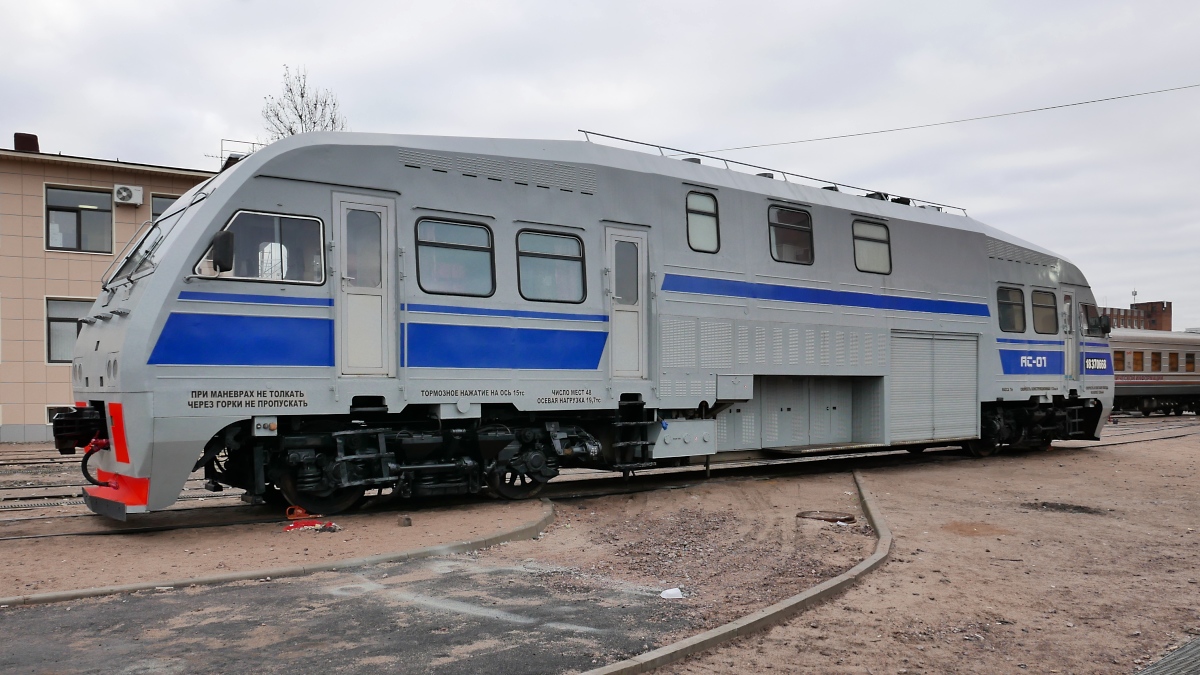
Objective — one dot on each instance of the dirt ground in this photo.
(731, 546)
(1080, 560)
(62, 563)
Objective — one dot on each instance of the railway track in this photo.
(221, 509)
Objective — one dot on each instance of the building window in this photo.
(550, 267)
(1011, 305)
(62, 327)
(159, 205)
(1156, 362)
(703, 229)
(873, 249)
(791, 235)
(1173, 362)
(1119, 360)
(1139, 361)
(455, 259)
(1189, 363)
(1045, 313)
(274, 248)
(78, 220)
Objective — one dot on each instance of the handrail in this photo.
(587, 135)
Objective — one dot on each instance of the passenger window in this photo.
(1155, 362)
(268, 247)
(1173, 362)
(791, 235)
(1119, 360)
(454, 259)
(703, 229)
(1139, 361)
(1189, 363)
(1010, 304)
(550, 267)
(872, 248)
(1045, 313)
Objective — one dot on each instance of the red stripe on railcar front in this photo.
(117, 418)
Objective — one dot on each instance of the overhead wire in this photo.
(959, 121)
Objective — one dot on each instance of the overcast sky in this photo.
(1115, 187)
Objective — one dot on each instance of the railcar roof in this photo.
(595, 154)
(1158, 336)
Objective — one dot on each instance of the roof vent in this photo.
(25, 142)
(833, 188)
(693, 160)
(765, 175)
(902, 200)
(877, 195)
(233, 158)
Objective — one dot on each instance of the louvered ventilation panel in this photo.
(1002, 250)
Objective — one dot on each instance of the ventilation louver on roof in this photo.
(540, 174)
(1002, 250)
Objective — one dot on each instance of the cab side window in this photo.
(791, 235)
(1045, 313)
(703, 226)
(1010, 304)
(872, 248)
(455, 258)
(274, 248)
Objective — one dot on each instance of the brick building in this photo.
(62, 221)
(1144, 315)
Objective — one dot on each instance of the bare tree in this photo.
(300, 108)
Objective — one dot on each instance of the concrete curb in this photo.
(526, 531)
(777, 613)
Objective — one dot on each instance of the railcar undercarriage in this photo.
(1031, 425)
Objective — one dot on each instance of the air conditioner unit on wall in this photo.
(130, 195)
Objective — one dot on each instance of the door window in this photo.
(364, 259)
(625, 273)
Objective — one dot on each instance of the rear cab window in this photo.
(1010, 306)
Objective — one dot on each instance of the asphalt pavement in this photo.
(443, 615)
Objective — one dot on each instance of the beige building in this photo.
(62, 221)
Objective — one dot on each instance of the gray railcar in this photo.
(1156, 371)
(340, 312)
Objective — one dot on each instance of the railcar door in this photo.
(365, 308)
(626, 271)
(1072, 331)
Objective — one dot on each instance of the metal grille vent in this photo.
(1002, 250)
(537, 174)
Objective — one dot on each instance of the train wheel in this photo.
(324, 503)
(512, 484)
(981, 448)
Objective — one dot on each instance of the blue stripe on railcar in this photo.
(679, 283)
(1032, 362)
(514, 313)
(250, 299)
(1096, 363)
(1014, 341)
(238, 340)
(455, 346)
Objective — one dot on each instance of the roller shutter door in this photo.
(910, 409)
(955, 387)
(933, 393)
